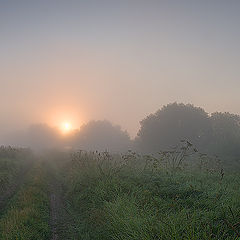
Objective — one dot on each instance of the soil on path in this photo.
(55, 208)
(62, 224)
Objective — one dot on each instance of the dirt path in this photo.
(61, 222)
(55, 204)
(54, 218)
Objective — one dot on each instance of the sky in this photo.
(75, 61)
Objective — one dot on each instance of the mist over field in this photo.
(217, 134)
(98, 76)
(119, 120)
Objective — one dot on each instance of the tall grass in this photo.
(13, 162)
(27, 216)
(134, 197)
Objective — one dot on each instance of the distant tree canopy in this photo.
(171, 124)
(95, 135)
(37, 136)
(218, 133)
(225, 135)
(101, 135)
(42, 136)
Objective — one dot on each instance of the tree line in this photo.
(217, 133)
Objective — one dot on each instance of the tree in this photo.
(37, 137)
(101, 135)
(41, 136)
(171, 124)
(225, 139)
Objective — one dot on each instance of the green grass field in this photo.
(100, 196)
(129, 201)
(27, 215)
(13, 163)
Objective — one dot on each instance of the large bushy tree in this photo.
(169, 125)
(225, 138)
(101, 135)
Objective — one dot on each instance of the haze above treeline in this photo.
(117, 60)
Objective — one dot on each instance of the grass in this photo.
(27, 216)
(13, 162)
(113, 197)
(125, 200)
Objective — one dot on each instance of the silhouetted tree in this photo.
(101, 135)
(37, 136)
(43, 136)
(225, 139)
(169, 125)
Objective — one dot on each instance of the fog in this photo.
(119, 119)
(81, 62)
(215, 134)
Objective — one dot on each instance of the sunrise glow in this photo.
(66, 127)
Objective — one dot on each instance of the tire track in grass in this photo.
(55, 208)
(58, 220)
(62, 223)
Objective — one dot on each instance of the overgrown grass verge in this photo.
(13, 162)
(27, 216)
(122, 201)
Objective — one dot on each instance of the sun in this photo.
(66, 127)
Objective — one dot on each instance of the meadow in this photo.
(128, 199)
(97, 195)
(14, 163)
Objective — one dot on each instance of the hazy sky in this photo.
(118, 60)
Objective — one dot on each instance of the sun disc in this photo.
(66, 127)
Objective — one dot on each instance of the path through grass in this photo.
(96, 196)
(112, 201)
